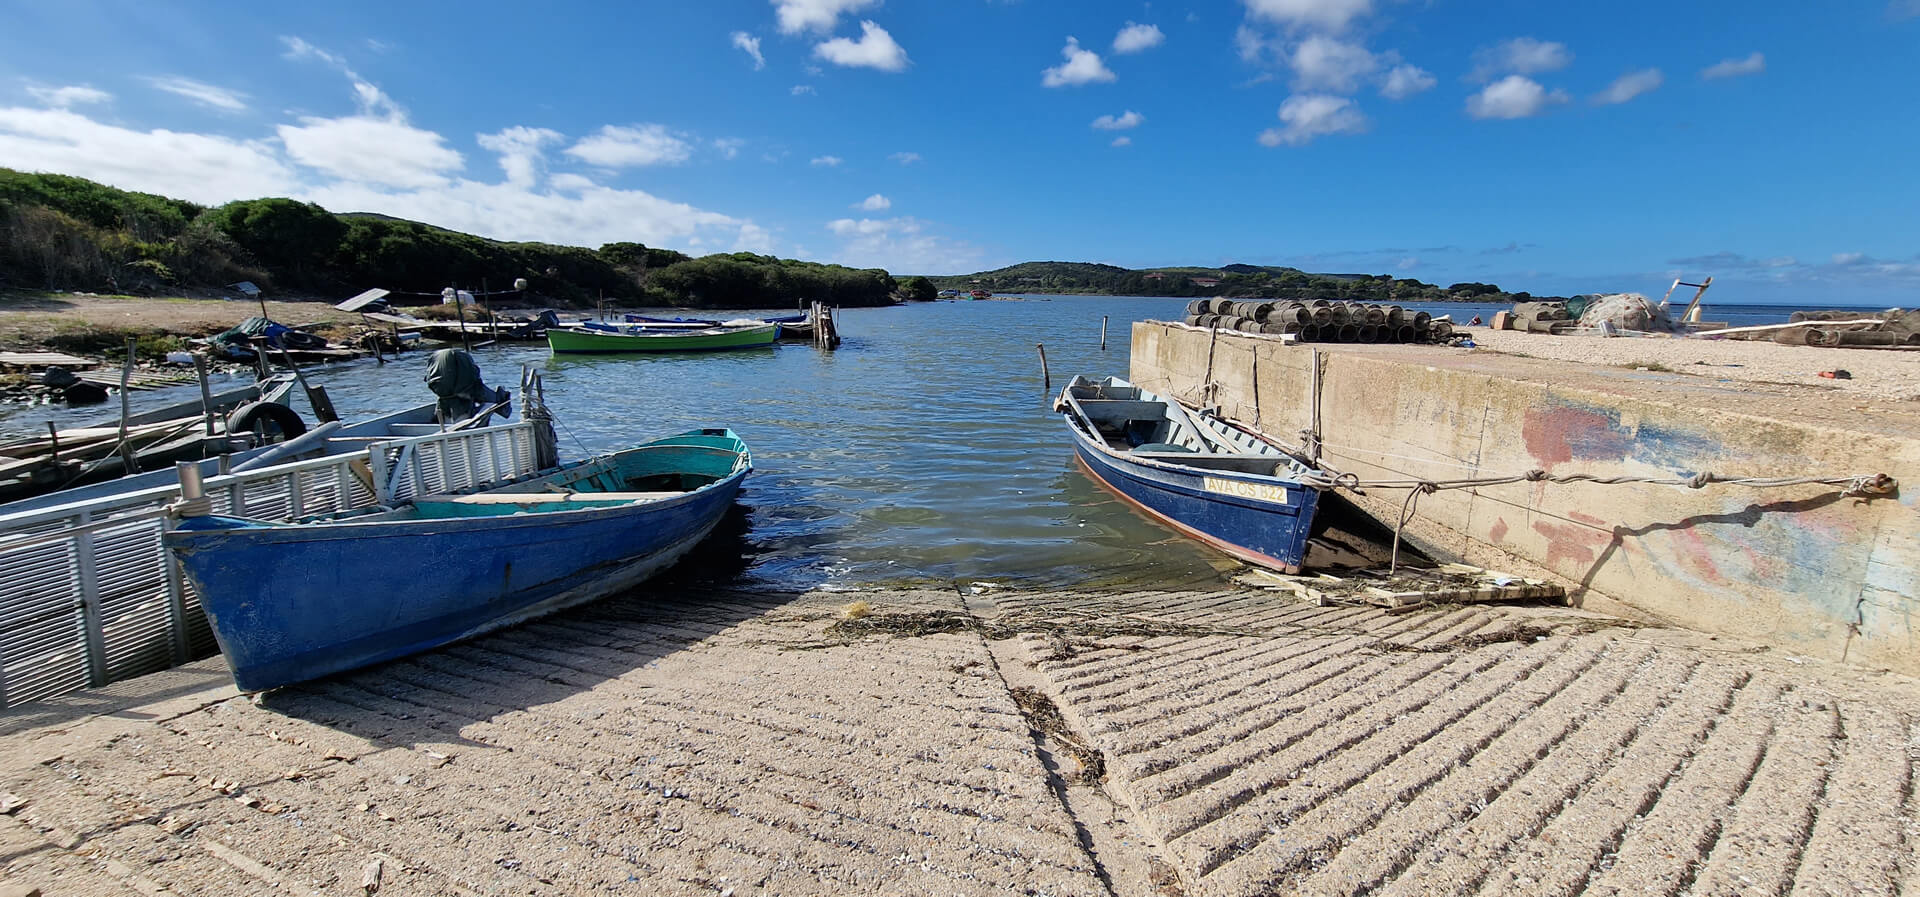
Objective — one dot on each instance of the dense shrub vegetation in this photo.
(1247, 281)
(67, 233)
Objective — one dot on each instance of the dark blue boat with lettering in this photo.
(296, 601)
(1208, 479)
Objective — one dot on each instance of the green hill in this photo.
(1233, 281)
(67, 233)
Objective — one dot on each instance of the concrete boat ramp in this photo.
(1211, 742)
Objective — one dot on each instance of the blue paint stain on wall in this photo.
(1563, 430)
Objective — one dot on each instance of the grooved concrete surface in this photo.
(733, 743)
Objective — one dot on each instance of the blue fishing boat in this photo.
(1206, 478)
(291, 602)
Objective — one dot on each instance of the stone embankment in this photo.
(1226, 742)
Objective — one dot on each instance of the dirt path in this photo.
(1225, 743)
(65, 319)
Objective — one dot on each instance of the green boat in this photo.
(610, 338)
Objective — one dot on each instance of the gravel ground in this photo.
(1143, 743)
(1877, 373)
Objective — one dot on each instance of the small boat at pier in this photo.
(296, 601)
(151, 439)
(597, 337)
(1206, 478)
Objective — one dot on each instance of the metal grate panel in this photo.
(88, 594)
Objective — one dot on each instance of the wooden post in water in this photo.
(493, 326)
(1046, 376)
(206, 391)
(1103, 333)
(126, 448)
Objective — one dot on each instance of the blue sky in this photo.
(1545, 146)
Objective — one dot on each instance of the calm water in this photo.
(923, 451)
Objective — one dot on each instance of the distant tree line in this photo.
(67, 233)
(1230, 281)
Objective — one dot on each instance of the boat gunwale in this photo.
(377, 525)
(1079, 419)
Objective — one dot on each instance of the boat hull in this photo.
(583, 341)
(1262, 520)
(294, 603)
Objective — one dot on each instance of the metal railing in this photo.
(89, 594)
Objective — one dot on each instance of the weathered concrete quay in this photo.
(1802, 568)
(1211, 742)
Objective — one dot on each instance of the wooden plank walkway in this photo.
(44, 359)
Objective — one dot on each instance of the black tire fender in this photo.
(255, 415)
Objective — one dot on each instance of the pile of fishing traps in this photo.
(1321, 320)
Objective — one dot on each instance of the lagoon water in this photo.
(923, 451)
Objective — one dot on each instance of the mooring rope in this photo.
(1861, 485)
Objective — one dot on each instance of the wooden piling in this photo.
(126, 449)
(1103, 333)
(206, 390)
(1046, 376)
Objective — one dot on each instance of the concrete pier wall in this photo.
(1799, 568)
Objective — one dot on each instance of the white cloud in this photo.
(815, 15)
(205, 94)
(1734, 68)
(1307, 116)
(900, 245)
(826, 161)
(1628, 86)
(199, 167)
(874, 203)
(1903, 9)
(728, 147)
(1406, 80)
(621, 147)
(212, 169)
(1332, 15)
(300, 49)
(800, 90)
(1136, 38)
(384, 151)
(1849, 258)
(1082, 67)
(905, 158)
(1407, 264)
(1325, 63)
(376, 146)
(1122, 141)
(1514, 96)
(1128, 119)
(753, 238)
(585, 215)
(1519, 56)
(875, 49)
(750, 45)
(1250, 43)
(522, 151)
(64, 97)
